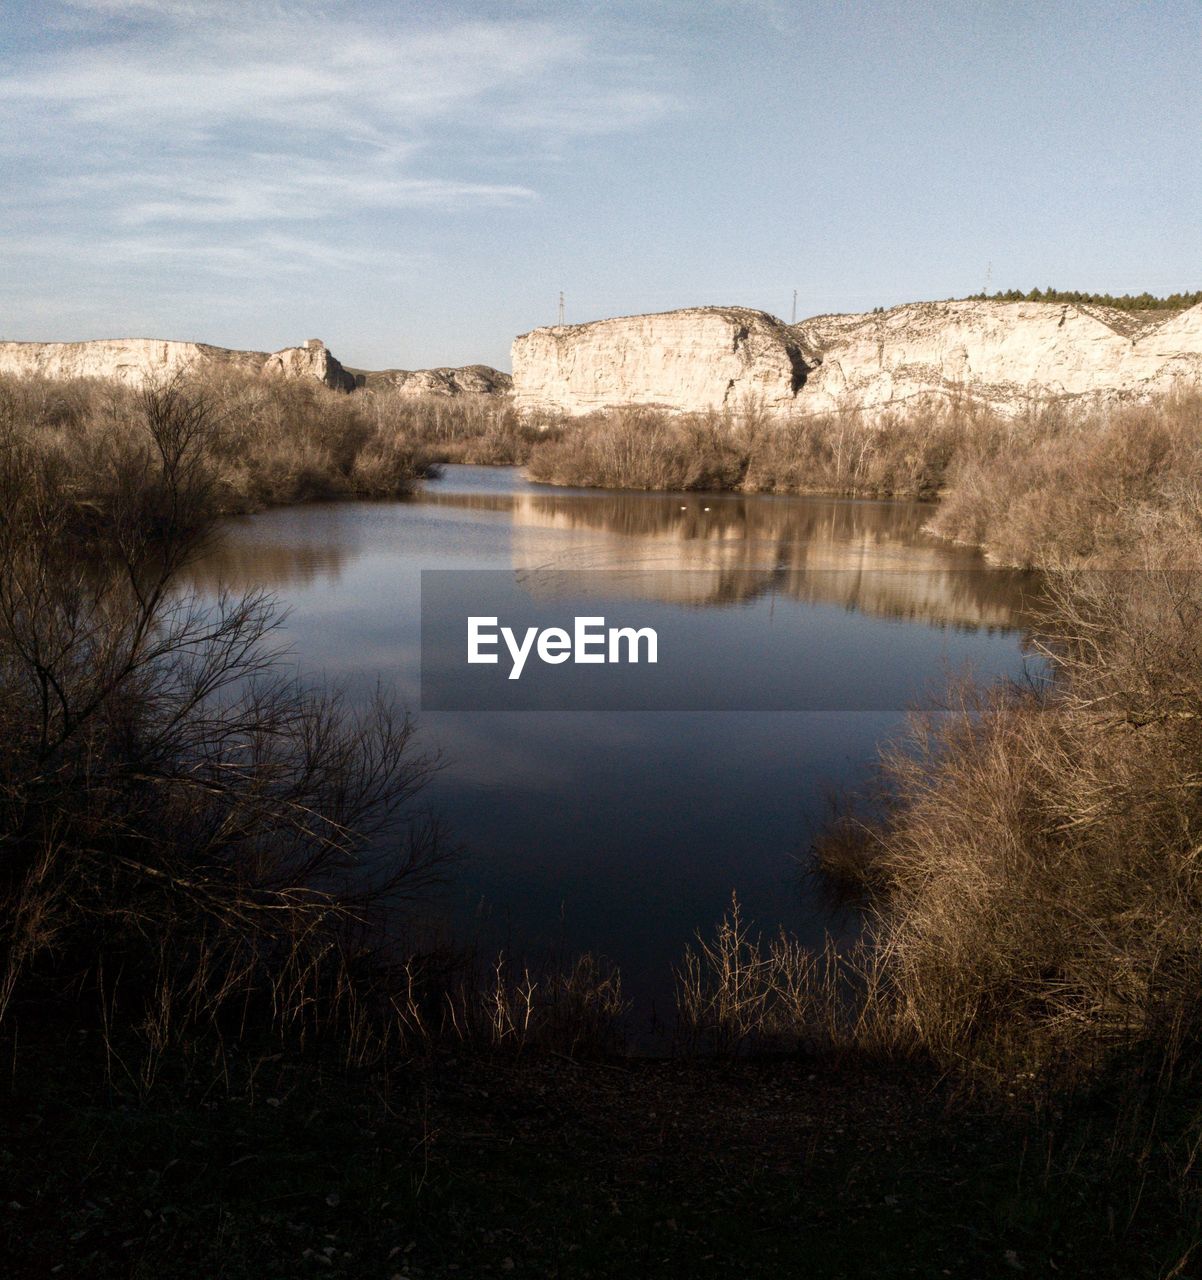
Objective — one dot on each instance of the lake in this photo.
(622, 831)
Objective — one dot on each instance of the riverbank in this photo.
(1058, 486)
(1055, 487)
(257, 442)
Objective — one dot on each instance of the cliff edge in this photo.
(697, 359)
(998, 354)
(136, 360)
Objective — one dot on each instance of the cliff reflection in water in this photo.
(689, 549)
(871, 557)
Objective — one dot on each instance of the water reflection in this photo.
(702, 550)
(623, 832)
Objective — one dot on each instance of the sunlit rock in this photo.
(1002, 355)
(703, 358)
(138, 360)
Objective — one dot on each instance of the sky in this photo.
(416, 182)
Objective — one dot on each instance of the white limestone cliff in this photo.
(137, 360)
(313, 360)
(697, 359)
(1001, 354)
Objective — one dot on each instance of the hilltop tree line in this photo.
(1123, 302)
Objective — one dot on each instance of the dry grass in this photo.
(574, 1009)
(1033, 870)
(848, 453)
(1055, 486)
(737, 992)
(1065, 489)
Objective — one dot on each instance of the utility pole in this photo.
(560, 320)
(794, 320)
(988, 278)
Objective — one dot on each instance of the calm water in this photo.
(622, 832)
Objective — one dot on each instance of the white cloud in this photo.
(157, 114)
(259, 256)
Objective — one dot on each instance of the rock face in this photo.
(698, 359)
(1001, 354)
(135, 360)
(472, 379)
(313, 360)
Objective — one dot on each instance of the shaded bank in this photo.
(543, 1167)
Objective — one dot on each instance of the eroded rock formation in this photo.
(313, 360)
(1002, 354)
(472, 379)
(698, 359)
(136, 360)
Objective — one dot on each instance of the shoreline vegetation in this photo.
(1056, 486)
(221, 1058)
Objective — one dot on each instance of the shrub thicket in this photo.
(1061, 488)
(270, 441)
(188, 838)
(646, 448)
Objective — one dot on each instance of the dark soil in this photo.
(546, 1167)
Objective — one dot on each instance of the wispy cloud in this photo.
(222, 255)
(141, 117)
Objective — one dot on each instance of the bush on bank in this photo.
(1055, 486)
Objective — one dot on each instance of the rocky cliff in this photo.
(135, 360)
(697, 359)
(313, 360)
(1002, 354)
(471, 379)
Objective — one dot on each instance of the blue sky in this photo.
(414, 183)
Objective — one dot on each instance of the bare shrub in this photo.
(1055, 485)
(1036, 869)
(188, 839)
(858, 454)
(266, 441)
(639, 448)
(739, 992)
(1060, 488)
(751, 450)
(474, 429)
(574, 1009)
